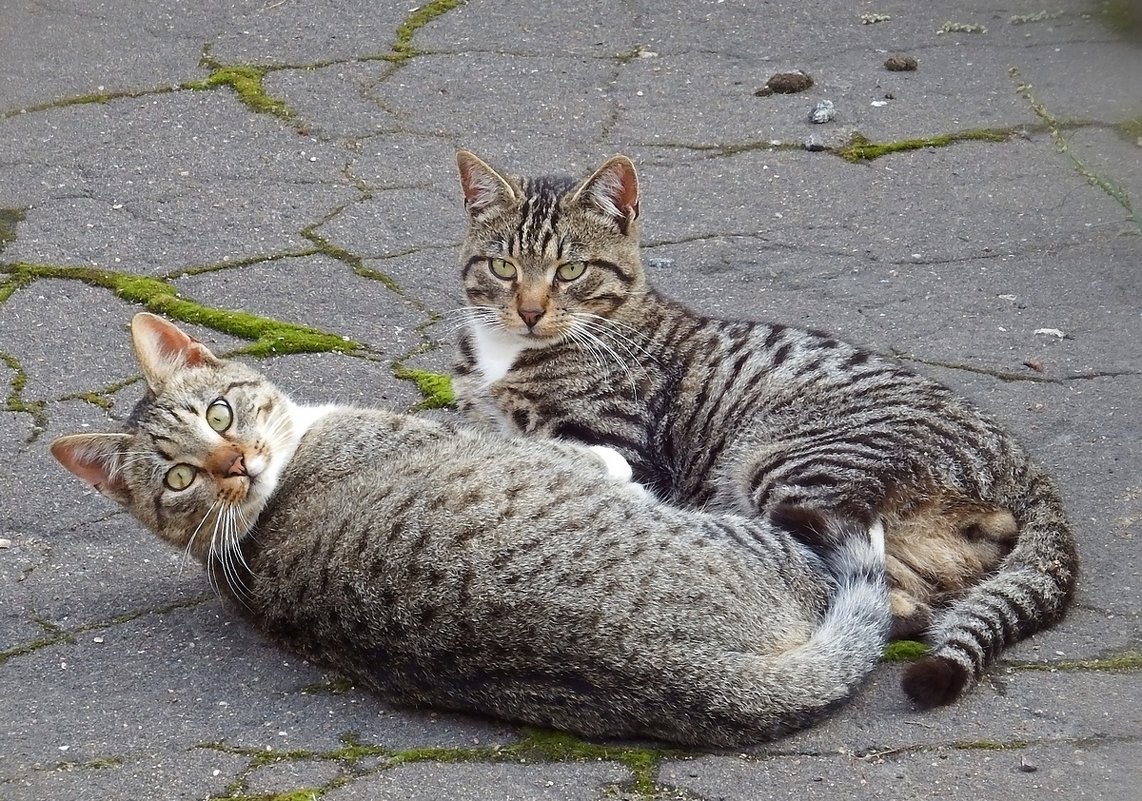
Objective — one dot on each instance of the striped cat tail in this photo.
(1030, 590)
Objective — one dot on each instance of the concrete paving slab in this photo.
(474, 783)
(178, 181)
(1034, 772)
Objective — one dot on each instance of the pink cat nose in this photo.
(238, 467)
(530, 316)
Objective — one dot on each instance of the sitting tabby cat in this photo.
(452, 567)
(746, 416)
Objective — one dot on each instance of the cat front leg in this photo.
(479, 407)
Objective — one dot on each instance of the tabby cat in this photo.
(523, 579)
(565, 338)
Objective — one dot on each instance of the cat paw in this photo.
(617, 467)
(639, 491)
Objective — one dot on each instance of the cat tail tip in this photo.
(936, 680)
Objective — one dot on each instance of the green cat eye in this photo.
(502, 269)
(180, 476)
(219, 415)
(571, 270)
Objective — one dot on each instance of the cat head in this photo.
(545, 258)
(203, 449)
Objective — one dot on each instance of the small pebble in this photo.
(822, 112)
(5, 543)
(786, 83)
(1027, 767)
(900, 63)
(814, 144)
(659, 263)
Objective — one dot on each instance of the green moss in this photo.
(436, 388)
(403, 49)
(1122, 16)
(552, 746)
(246, 81)
(12, 285)
(720, 149)
(991, 745)
(1062, 144)
(57, 635)
(302, 794)
(346, 256)
(102, 397)
(1130, 130)
(905, 651)
(35, 645)
(15, 402)
(534, 746)
(336, 686)
(94, 398)
(1124, 661)
(99, 763)
(269, 336)
(9, 219)
(90, 98)
(860, 148)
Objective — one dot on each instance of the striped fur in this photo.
(451, 567)
(746, 416)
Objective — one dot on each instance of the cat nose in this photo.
(530, 315)
(226, 462)
(237, 467)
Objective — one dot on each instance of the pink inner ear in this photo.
(627, 194)
(613, 190)
(85, 457)
(175, 344)
(161, 346)
(468, 182)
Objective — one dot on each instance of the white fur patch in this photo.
(617, 467)
(305, 416)
(496, 351)
(876, 535)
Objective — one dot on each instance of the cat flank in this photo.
(454, 568)
(564, 338)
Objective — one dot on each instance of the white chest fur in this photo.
(496, 351)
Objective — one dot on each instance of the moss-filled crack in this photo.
(402, 47)
(247, 81)
(1056, 130)
(435, 388)
(533, 747)
(249, 261)
(859, 148)
(102, 398)
(1006, 375)
(9, 219)
(16, 402)
(269, 337)
(1122, 662)
(57, 635)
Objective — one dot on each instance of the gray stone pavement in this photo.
(240, 166)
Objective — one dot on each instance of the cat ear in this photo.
(612, 191)
(95, 458)
(486, 192)
(163, 348)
